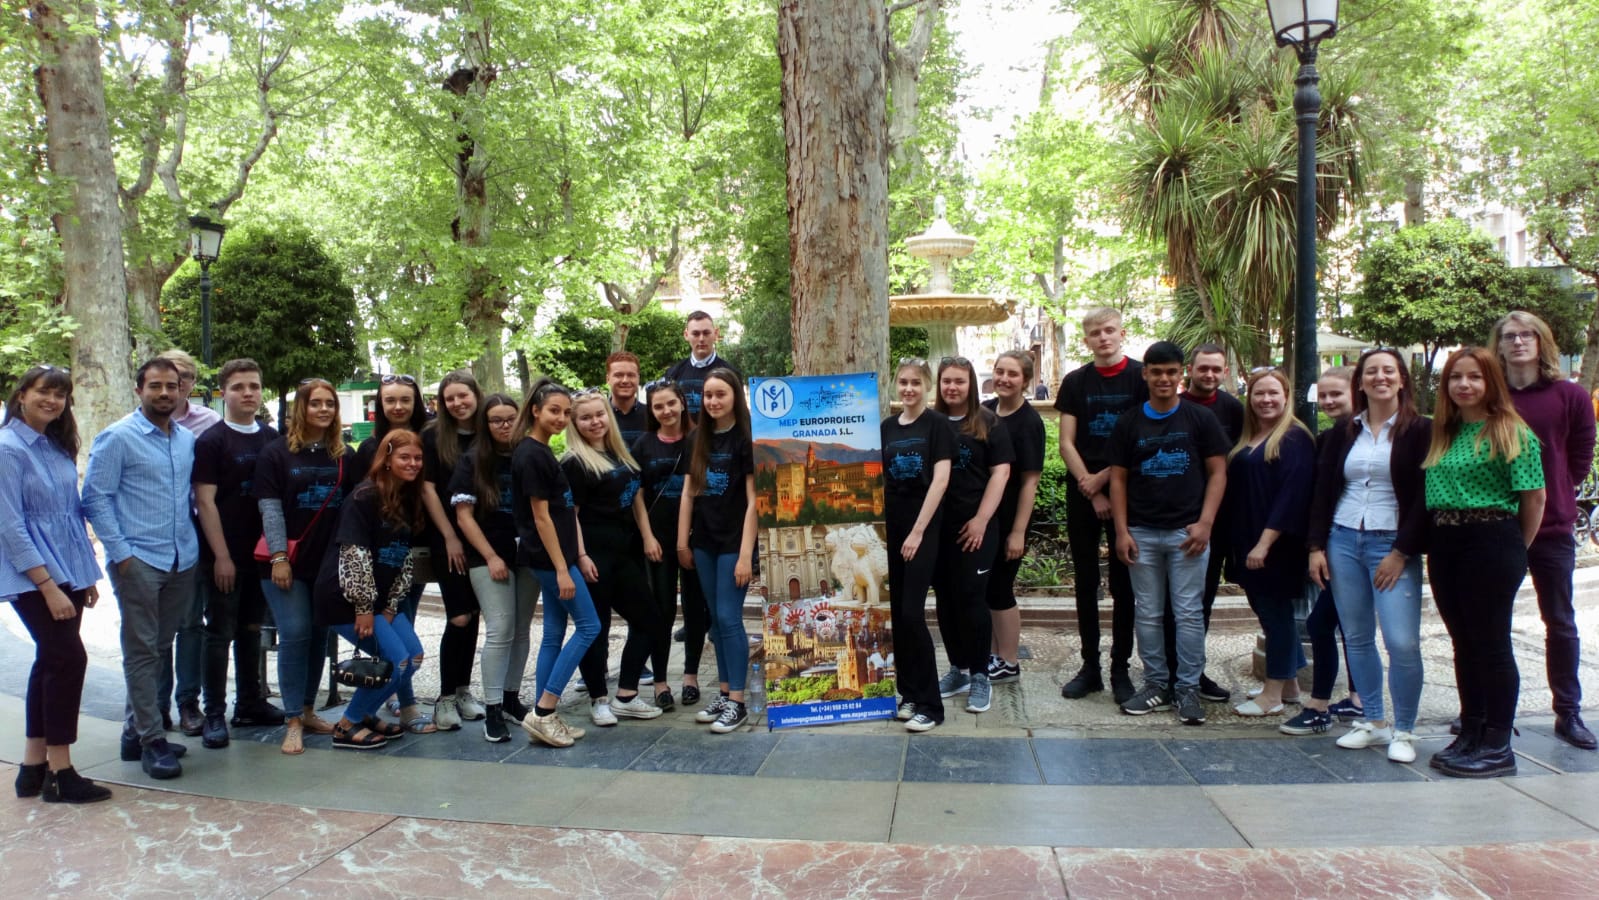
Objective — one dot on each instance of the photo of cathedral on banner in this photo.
(828, 649)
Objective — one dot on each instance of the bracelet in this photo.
(277, 559)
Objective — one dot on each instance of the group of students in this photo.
(1187, 484)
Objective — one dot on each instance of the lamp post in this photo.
(1304, 24)
(205, 242)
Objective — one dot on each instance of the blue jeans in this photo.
(1162, 570)
(1352, 558)
(396, 642)
(725, 601)
(557, 662)
(301, 644)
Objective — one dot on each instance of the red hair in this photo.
(399, 500)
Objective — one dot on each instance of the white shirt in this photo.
(1368, 502)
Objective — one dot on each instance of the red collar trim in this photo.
(1111, 371)
(1202, 401)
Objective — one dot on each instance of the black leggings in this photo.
(458, 644)
(55, 686)
(1475, 570)
(665, 577)
(915, 658)
(625, 589)
(960, 582)
(1322, 623)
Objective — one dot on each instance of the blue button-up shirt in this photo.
(136, 493)
(41, 518)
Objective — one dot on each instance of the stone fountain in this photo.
(938, 308)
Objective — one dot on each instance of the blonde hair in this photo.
(295, 432)
(180, 357)
(1252, 424)
(1101, 314)
(1548, 350)
(597, 462)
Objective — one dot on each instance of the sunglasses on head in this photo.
(314, 380)
(399, 379)
(954, 361)
(658, 384)
(912, 361)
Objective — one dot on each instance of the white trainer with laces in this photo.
(1402, 748)
(1364, 734)
(600, 713)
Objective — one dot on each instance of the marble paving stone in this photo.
(1108, 761)
(146, 843)
(1441, 812)
(466, 745)
(1539, 743)
(1229, 874)
(1575, 795)
(971, 760)
(1550, 870)
(836, 757)
(601, 748)
(1059, 815)
(423, 858)
(707, 753)
(1360, 766)
(724, 867)
(1248, 761)
(740, 807)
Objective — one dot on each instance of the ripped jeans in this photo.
(396, 642)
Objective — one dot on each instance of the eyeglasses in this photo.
(501, 421)
(186, 376)
(954, 361)
(1519, 337)
(399, 379)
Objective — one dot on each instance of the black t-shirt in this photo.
(631, 425)
(435, 471)
(1165, 463)
(536, 475)
(1026, 429)
(226, 458)
(909, 454)
(722, 500)
(361, 524)
(691, 379)
(1228, 410)
(604, 502)
(661, 467)
(1097, 401)
(968, 476)
(496, 516)
(301, 482)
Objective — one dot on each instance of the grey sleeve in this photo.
(273, 525)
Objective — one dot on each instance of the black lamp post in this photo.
(1304, 24)
(205, 242)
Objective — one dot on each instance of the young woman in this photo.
(48, 574)
(1269, 477)
(1368, 528)
(716, 535)
(400, 406)
(447, 439)
(546, 530)
(662, 458)
(362, 582)
(301, 479)
(918, 448)
(485, 514)
(1013, 372)
(971, 534)
(1485, 491)
(1333, 398)
(611, 517)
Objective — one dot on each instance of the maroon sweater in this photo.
(1561, 415)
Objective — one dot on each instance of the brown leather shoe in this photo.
(1571, 730)
(190, 720)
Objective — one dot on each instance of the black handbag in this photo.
(363, 671)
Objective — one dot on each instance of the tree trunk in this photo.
(904, 76)
(78, 146)
(145, 279)
(835, 124)
(484, 304)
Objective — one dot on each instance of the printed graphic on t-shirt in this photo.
(905, 465)
(716, 477)
(393, 554)
(963, 456)
(1165, 463)
(316, 494)
(1100, 423)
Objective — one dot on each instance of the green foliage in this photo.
(576, 356)
(277, 298)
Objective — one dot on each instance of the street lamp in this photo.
(1304, 24)
(205, 242)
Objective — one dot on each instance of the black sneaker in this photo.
(1001, 672)
(512, 709)
(256, 713)
(665, 700)
(1152, 698)
(733, 716)
(1309, 721)
(906, 711)
(214, 732)
(1121, 686)
(1086, 681)
(1344, 711)
(679, 635)
(1189, 709)
(1211, 691)
(494, 730)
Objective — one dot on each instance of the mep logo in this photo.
(774, 398)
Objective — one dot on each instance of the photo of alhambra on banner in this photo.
(828, 649)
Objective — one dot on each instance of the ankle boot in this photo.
(1491, 758)
(67, 786)
(1466, 742)
(31, 779)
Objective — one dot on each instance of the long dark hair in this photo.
(973, 421)
(448, 440)
(1407, 391)
(653, 424)
(419, 409)
(485, 456)
(542, 390)
(64, 430)
(399, 500)
(707, 427)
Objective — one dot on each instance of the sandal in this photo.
(387, 729)
(294, 739)
(363, 738)
(315, 724)
(416, 721)
(1253, 709)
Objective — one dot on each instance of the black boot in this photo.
(31, 779)
(1087, 681)
(1491, 758)
(67, 786)
(1470, 733)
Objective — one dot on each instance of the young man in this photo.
(701, 334)
(1207, 372)
(230, 525)
(1090, 401)
(1167, 474)
(136, 495)
(1561, 415)
(621, 376)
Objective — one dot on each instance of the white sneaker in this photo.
(636, 708)
(600, 713)
(548, 729)
(1364, 734)
(1402, 748)
(470, 708)
(445, 716)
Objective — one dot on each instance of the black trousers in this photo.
(915, 658)
(1322, 623)
(458, 644)
(1475, 570)
(960, 584)
(1550, 561)
(623, 588)
(232, 618)
(1084, 532)
(55, 686)
(666, 578)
